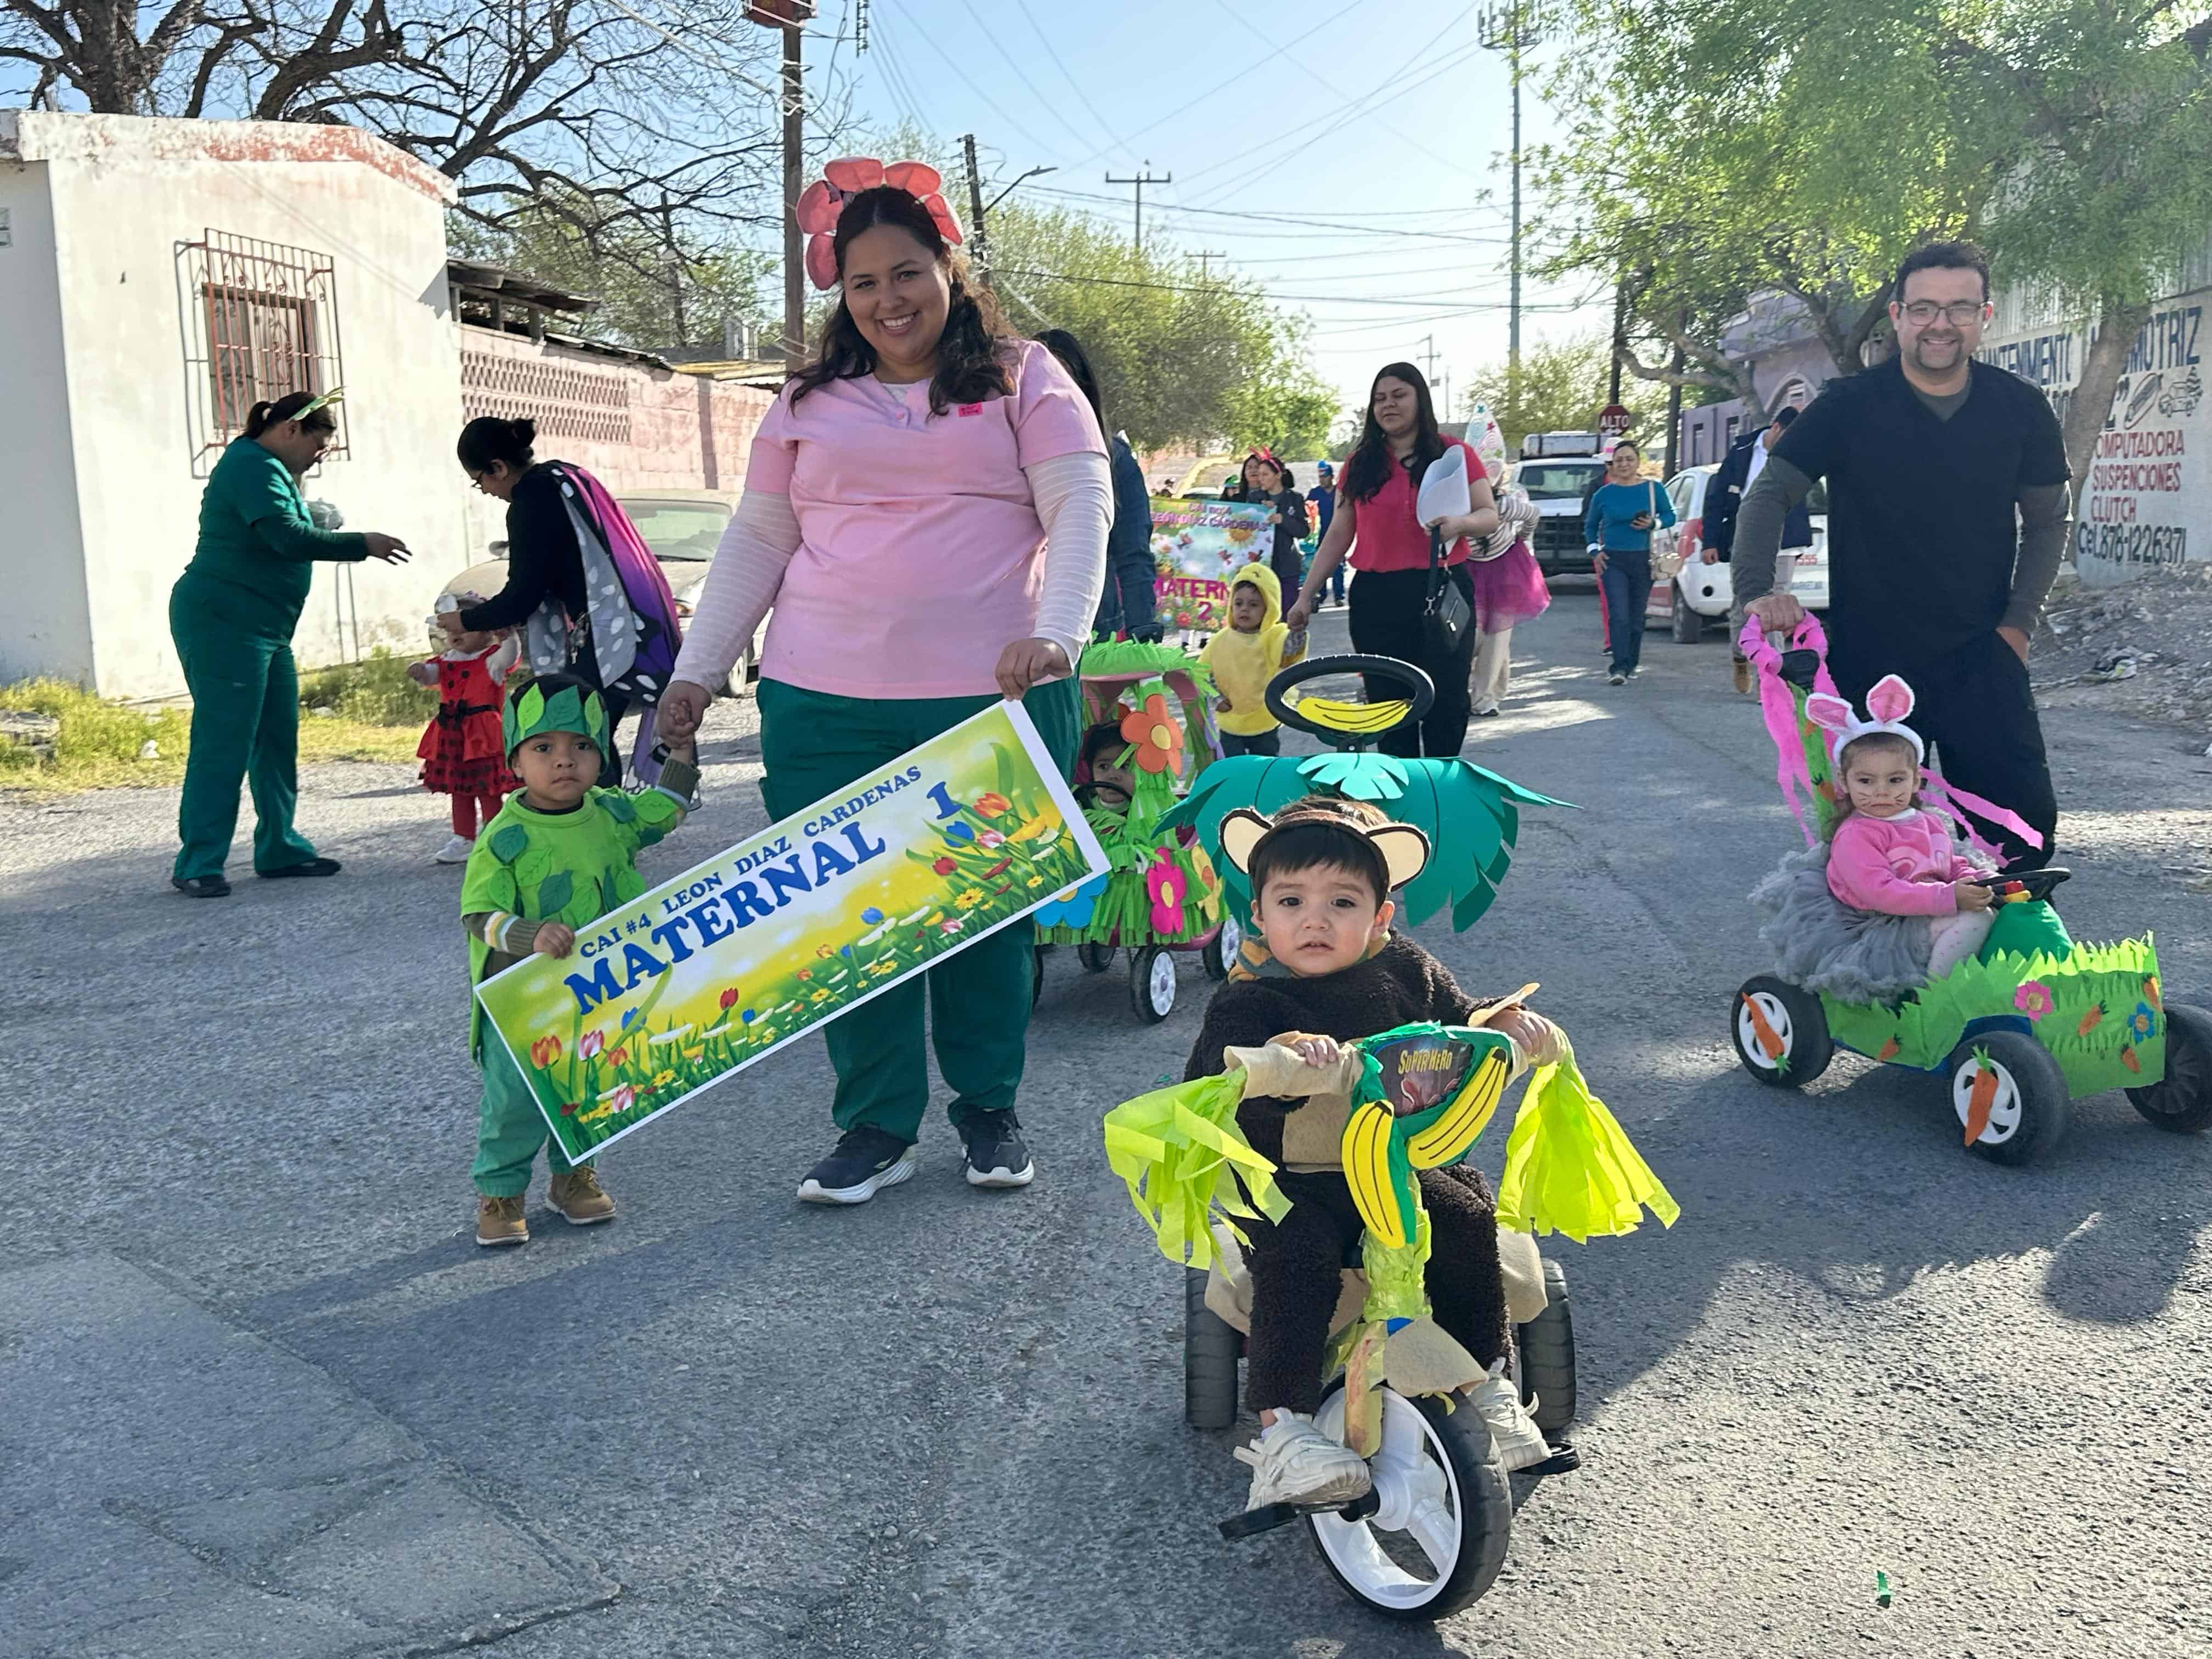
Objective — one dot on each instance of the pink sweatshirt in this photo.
(1901, 866)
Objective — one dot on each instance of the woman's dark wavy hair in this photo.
(262, 416)
(1369, 465)
(1077, 361)
(971, 353)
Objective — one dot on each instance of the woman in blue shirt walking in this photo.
(1618, 526)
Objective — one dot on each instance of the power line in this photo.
(989, 102)
(1044, 40)
(1020, 74)
(1300, 219)
(1416, 301)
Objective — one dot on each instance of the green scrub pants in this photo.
(246, 729)
(509, 1128)
(812, 744)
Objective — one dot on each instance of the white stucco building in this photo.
(158, 277)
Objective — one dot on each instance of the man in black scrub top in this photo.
(1947, 516)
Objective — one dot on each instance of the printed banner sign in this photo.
(670, 993)
(1197, 546)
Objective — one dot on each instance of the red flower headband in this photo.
(845, 179)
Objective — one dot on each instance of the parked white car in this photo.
(1702, 593)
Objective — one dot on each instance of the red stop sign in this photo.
(1615, 421)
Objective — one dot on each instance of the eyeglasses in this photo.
(1959, 313)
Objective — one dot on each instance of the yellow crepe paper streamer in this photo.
(1181, 1155)
(1569, 1167)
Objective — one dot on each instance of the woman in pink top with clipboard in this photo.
(926, 512)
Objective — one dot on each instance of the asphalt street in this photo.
(264, 1395)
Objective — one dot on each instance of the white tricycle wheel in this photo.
(1443, 1515)
(2027, 1104)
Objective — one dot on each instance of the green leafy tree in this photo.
(1561, 387)
(1181, 357)
(659, 286)
(1803, 146)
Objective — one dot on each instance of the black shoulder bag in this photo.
(1446, 617)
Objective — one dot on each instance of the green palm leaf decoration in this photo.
(1471, 815)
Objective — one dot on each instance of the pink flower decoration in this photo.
(989, 838)
(624, 1098)
(590, 1043)
(2033, 999)
(1166, 884)
(846, 178)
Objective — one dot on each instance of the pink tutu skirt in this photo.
(1508, 589)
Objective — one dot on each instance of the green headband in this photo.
(335, 395)
(530, 713)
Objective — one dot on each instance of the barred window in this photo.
(261, 320)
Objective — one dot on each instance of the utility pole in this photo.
(1205, 255)
(1429, 357)
(976, 208)
(791, 17)
(859, 29)
(1620, 335)
(1674, 397)
(1511, 29)
(794, 168)
(1141, 180)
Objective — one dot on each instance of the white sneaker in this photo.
(1294, 1462)
(1520, 1442)
(457, 850)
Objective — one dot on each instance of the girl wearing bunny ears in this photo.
(1900, 904)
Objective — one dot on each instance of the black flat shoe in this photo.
(201, 886)
(312, 867)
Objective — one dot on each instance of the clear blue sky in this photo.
(1385, 122)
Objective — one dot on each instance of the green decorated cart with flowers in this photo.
(1151, 709)
(2031, 1023)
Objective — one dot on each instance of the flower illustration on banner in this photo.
(1166, 884)
(2033, 999)
(591, 1042)
(959, 832)
(622, 1099)
(993, 805)
(617, 1056)
(1072, 907)
(662, 1079)
(1152, 727)
(729, 997)
(805, 973)
(944, 866)
(2143, 1023)
(988, 837)
(872, 917)
(968, 900)
(544, 1052)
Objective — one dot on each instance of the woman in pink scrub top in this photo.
(924, 526)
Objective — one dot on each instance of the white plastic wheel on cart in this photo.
(1152, 983)
(2004, 1109)
(1227, 940)
(1443, 1511)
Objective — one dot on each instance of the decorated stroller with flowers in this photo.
(2018, 1029)
(1149, 731)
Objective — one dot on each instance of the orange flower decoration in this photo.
(544, 1052)
(994, 805)
(1154, 729)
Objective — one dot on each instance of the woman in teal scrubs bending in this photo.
(232, 614)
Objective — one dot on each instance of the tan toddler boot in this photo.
(499, 1221)
(579, 1198)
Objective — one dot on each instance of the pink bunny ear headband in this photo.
(846, 178)
(1889, 705)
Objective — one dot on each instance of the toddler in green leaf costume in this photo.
(559, 856)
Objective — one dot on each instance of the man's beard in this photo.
(1956, 345)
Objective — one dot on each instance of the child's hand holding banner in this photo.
(669, 993)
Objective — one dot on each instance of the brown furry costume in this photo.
(1296, 1264)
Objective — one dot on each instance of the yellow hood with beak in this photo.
(1243, 664)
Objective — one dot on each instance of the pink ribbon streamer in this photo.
(1779, 708)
